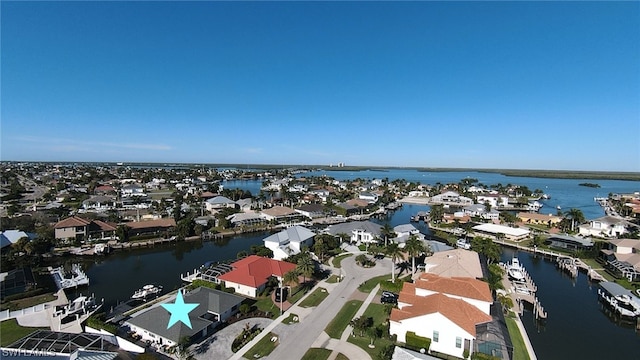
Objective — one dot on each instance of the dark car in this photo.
(284, 294)
(389, 298)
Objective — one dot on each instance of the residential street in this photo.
(294, 345)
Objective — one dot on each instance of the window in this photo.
(436, 336)
(458, 342)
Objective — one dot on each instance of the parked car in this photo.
(388, 297)
(284, 294)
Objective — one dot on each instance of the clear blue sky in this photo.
(538, 85)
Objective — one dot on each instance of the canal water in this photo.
(117, 276)
(577, 325)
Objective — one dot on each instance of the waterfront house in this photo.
(606, 227)
(474, 210)
(322, 194)
(250, 275)
(451, 198)
(568, 242)
(358, 231)
(245, 219)
(289, 242)
(158, 227)
(76, 228)
(445, 310)
(311, 210)
(454, 263)
(214, 307)
(622, 258)
(404, 231)
(496, 231)
(494, 200)
(280, 214)
(219, 202)
(539, 219)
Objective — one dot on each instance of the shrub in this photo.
(416, 342)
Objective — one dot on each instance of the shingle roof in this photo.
(454, 263)
(255, 270)
(279, 211)
(458, 311)
(208, 300)
(220, 200)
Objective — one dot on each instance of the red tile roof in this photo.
(461, 286)
(255, 270)
(105, 226)
(458, 311)
(72, 221)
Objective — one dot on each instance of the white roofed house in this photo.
(289, 242)
(132, 190)
(358, 231)
(496, 231)
(370, 197)
(606, 227)
(475, 210)
(451, 198)
(495, 200)
(404, 231)
(219, 202)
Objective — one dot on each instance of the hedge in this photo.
(416, 342)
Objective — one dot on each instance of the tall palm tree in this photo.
(387, 232)
(305, 265)
(414, 247)
(576, 216)
(394, 252)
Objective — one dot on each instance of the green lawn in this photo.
(336, 260)
(339, 323)
(266, 304)
(315, 298)
(385, 283)
(379, 315)
(316, 354)
(519, 348)
(263, 348)
(296, 293)
(10, 332)
(341, 356)
(289, 320)
(28, 302)
(332, 279)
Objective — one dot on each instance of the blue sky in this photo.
(537, 85)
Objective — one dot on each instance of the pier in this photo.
(523, 291)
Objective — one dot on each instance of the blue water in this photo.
(576, 325)
(565, 193)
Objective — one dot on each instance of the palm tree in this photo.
(387, 232)
(394, 252)
(414, 247)
(576, 216)
(305, 265)
(291, 277)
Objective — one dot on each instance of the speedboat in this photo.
(147, 291)
(515, 270)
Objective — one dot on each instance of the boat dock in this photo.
(523, 291)
(75, 278)
(572, 265)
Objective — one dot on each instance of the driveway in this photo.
(218, 346)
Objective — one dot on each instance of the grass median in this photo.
(339, 323)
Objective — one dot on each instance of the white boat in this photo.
(515, 270)
(558, 207)
(146, 292)
(463, 244)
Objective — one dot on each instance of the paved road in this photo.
(295, 345)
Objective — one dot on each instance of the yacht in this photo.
(147, 291)
(515, 270)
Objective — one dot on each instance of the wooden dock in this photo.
(524, 291)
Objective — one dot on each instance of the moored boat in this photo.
(515, 270)
(147, 291)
